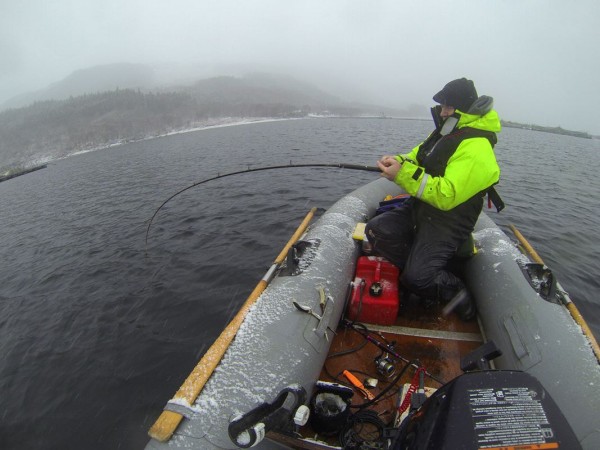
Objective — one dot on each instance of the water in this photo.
(96, 336)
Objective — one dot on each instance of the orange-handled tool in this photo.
(356, 382)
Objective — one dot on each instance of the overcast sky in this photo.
(537, 58)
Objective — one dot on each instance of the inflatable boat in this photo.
(328, 352)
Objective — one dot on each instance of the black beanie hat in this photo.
(458, 93)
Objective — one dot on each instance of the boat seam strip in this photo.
(434, 334)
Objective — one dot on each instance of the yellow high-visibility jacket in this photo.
(449, 170)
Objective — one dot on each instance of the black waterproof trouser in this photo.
(422, 251)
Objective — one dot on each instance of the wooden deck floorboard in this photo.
(438, 343)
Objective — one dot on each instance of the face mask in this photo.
(449, 125)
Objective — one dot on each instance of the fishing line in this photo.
(258, 169)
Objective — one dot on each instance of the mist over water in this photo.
(97, 335)
(390, 53)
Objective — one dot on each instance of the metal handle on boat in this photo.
(308, 310)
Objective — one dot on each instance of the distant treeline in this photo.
(58, 128)
(555, 130)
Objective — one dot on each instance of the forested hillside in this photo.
(60, 127)
(54, 128)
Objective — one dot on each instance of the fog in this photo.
(537, 58)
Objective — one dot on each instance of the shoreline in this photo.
(229, 122)
(8, 176)
(216, 123)
(222, 122)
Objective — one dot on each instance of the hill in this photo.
(88, 81)
(52, 128)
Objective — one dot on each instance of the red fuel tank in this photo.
(375, 297)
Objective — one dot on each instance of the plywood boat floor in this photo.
(419, 333)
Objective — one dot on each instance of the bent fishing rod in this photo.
(258, 169)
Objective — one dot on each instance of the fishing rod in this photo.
(258, 169)
(387, 348)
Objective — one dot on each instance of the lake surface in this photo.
(96, 335)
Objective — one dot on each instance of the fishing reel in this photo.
(385, 365)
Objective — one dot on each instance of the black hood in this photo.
(460, 94)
